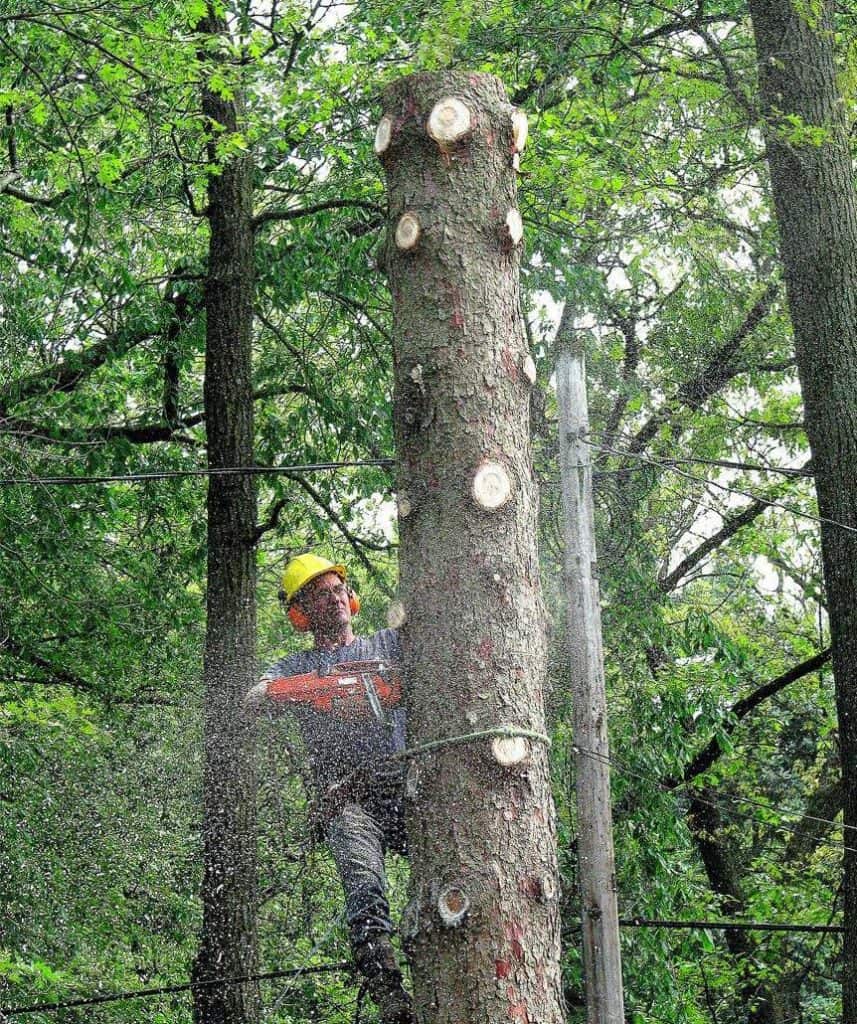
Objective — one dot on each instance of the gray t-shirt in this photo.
(339, 746)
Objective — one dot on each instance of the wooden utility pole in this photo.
(483, 920)
(598, 911)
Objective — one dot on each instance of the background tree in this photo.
(228, 945)
(812, 182)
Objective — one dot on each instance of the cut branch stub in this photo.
(514, 226)
(547, 887)
(452, 905)
(491, 486)
(383, 134)
(530, 369)
(412, 781)
(408, 231)
(520, 130)
(405, 506)
(396, 615)
(449, 121)
(510, 751)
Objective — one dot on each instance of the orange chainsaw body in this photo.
(350, 689)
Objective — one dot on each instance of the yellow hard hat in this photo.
(304, 568)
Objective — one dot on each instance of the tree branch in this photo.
(57, 676)
(357, 543)
(718, 372)
(709, 754)
(7, 188)
(731, 525)
(308, 211)
(76, 367)
(732, 83)
(136, 433)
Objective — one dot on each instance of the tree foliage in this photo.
(647, 209)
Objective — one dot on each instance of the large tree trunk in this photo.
(816, 206)
(483, 919)
(228, 941)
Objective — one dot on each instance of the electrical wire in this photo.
(669, 465)
(743, 815)
(738, 926)
(148, 993)
(177, 474)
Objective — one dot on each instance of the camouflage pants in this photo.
(365, 821)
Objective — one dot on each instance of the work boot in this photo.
(376, 961)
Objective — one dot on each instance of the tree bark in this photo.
(816, 207)
(228, 941)
(483, 919)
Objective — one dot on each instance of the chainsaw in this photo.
(351, 689)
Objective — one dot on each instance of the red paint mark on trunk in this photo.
(518, 1012)
(531, 887)
(486, 648)
(502, 968)
(457, 318)
(514, 933)
(509, 364)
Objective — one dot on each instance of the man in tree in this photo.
(349, 742)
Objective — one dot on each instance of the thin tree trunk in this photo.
(483, 920)
(812, 181)
(228, 940)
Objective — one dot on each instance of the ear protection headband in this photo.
(298, 618)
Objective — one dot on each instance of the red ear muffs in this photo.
(298, 619)
(353, 602)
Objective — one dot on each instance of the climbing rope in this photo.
(503, 731)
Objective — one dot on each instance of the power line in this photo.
(309, 467)
(148, 993)
(671, 466)
(744, 926)
(743, 815)
(632, 922)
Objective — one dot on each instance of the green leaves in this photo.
(644, 199)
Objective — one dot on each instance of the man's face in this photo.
(326, 603)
